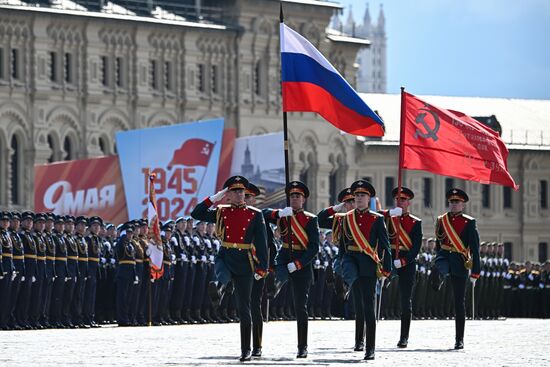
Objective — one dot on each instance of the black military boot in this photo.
(459, 327)
(197, 316)
(190, 318)
(245, 343)
(405, 326)
(370, 342)
(257, 330)
(359, 335)
(302, 340)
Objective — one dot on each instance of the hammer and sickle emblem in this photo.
(430, 132)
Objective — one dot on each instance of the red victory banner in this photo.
(451, 143)
(194, 152)
(84, 187)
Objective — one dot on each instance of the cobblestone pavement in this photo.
(524, 342)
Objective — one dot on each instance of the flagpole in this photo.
(149, 288)
(400, 169)
(286, 144)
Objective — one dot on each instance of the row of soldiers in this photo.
(31, 297)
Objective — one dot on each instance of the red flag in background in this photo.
(155, 251)
(194, 152)
(451, 143)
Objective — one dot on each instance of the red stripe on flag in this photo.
(307, 97)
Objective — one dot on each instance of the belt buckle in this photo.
(234, 245)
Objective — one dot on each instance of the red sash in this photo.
(360, 239)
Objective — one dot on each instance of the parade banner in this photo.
(184, 158)
(84, 187)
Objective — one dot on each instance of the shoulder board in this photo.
(253, 208)
(522, 271)
(223, 206)
(468, 217)
(311, 215)
(441, 216)
(375, 214)
(415, 218)
(535, 272)
(340, 214)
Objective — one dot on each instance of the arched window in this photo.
(16, 166)
(68, 148)
(103, 146)
(53, 144)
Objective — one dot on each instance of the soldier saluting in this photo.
(404, 251)
(239, 227)
(457, 254)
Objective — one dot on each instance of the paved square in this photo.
(512, 342)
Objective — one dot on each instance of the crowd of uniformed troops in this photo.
(232, 262)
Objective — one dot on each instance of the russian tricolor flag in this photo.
(312, 84)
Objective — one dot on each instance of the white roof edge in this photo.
(316, 3)
(135, 18)
(348, 39)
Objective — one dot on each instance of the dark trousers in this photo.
(24, 302)
(37, 300)
(16, 286)
(199, 286)
(367, 290)
(300, 292)
(59, 300)
(89, 299)
(243, 291)
(48, 290)
(180, 277)
(407, 277)
(68, 291)
(189, 285)
(123, 293)
(459, 291)
(78, 300)
(5, 296)
(256, 311)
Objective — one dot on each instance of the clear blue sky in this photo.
(487, 48)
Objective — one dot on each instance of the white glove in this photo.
(203, 258)
(23, 278)
(211, 258)
(541, 285)
(187, 240)
(197, 240)
(317, 262)
(397, 263)
(103, 260)
(194, 259)
(338, 207)
(136, 280)
(327, 249)
(257, 276)
(521, 286)
(107, 245)
(1, 276)
(208, 243)
(335, 250)
(218, 196)
(531, 277)
(184, 257)
(53, 279)
(286, 212)
(113, 261)
(67, 279)
(325, 264)
(482, 273)
(423, 269)
(396, 212)
(13, 275)
(217, 243)
(291, 267)
(473, 281)
(173, 257)
(33, 279)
